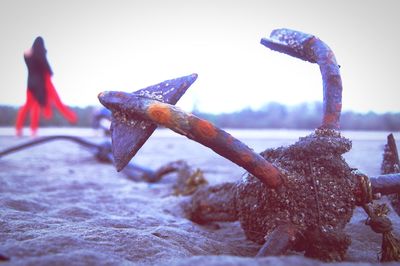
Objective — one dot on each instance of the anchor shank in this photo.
(216, 139)
(200, 131)
(386, 184)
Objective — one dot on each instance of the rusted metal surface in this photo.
(279, 241)
(316, 199)
(386, 184)
(391, 162)
(126, 107)
(391, 165)
(187, 182)
(193, 128)
(309, 48)
(298, 197)
(102, 153)
(213, 204)
(129, 134)
(41, 140)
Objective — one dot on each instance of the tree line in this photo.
(272, 115)
(302, 116)
(8, 115)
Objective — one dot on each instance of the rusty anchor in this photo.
(294, 198)
(170, 91)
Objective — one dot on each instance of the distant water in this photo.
(278, 134)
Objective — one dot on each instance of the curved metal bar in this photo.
(309, 48)
(279, 241)
(46, 139)
(196, 129)
(386, 184)
(102, 153)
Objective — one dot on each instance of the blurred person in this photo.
(101, 120)
(41, 93)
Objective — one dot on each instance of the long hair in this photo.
(38, 46)
(39, 52)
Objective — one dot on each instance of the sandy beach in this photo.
(60, 206)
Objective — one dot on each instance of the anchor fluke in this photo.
(128, 134)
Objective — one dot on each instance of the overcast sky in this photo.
(127, 45)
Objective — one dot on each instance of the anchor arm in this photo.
(194, 128)
(279, 241)
(309, 48)
(102, 152)
(386, 184)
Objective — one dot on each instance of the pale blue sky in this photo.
(126, 45)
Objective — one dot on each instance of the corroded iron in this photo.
(298, 197)
(391, 165)
(194, 128)
(102, 152)
(307, 213)
(129, 134)
(386, 184)
(309, 48)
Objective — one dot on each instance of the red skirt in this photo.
(32, 105)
